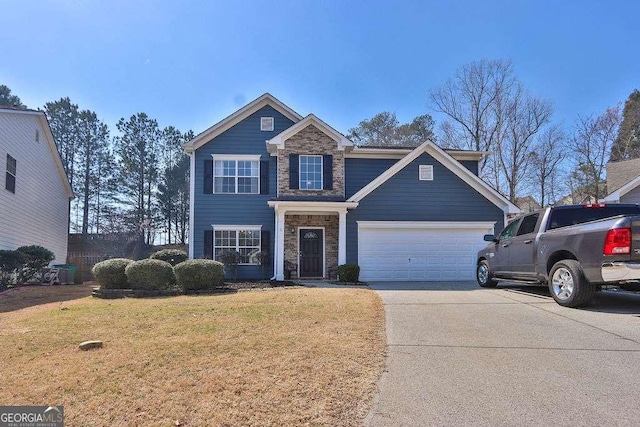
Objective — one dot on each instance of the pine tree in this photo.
(627, 143)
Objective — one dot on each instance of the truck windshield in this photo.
(578, 215)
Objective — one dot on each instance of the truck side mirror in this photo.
(490, 238)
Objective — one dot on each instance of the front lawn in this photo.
(273, 357)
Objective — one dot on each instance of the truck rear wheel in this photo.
(483, 275)
(568, 286)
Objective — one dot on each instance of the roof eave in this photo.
(236, 117)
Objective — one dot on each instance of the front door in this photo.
(311, 252)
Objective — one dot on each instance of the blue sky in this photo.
(190, 64)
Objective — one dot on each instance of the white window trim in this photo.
(236, 228)
(236, 158)
(264, 120)
(321, 172)
(425, 173)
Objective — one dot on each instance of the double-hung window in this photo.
(236, 174)
(242, 239)
(10, 180)
(311, 172)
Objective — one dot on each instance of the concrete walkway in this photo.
(460, 355)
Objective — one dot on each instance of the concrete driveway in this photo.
(461, 355)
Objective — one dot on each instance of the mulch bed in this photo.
(226, 288)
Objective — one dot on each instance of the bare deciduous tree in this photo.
(472, 100)
(591, 142)
(489, 110)
(548, 155)
(524, 117)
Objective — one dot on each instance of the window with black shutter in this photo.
(294, 175)
(327, 172)
(10, 183)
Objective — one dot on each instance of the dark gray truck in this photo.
(574, 250)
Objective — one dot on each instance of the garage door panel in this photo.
(421, 253)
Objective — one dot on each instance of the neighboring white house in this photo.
(34, 189)
(623, 182)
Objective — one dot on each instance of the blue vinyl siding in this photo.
(238, 209)
(360, 172)
(471, 165)
(404, 198)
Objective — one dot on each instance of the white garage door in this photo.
(426, 251)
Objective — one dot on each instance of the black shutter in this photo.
(265, 241)
(208, 244)
(264, 177)
(207, 184)
(327, 172)
(294, 177)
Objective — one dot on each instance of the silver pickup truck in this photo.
(575, 250)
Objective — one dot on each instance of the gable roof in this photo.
(616, 195)
(277, 142)
(450, 163)
(235, 118)
(621, 172)
(48, 136)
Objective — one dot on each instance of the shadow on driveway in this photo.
(425, 286)
(607, 301)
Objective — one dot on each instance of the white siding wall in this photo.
(37, 214)
(632, 196)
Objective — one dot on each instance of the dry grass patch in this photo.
(277, 357)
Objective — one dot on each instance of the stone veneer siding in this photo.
(310, 141)
(330, 224)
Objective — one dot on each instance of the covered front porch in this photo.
(310, 238)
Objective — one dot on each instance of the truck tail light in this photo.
(618, 241)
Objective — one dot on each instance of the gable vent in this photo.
(266, 124)
(426, 173)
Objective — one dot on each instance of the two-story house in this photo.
(34, 200)
(267, 179)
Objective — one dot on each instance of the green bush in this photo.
(172, 256)
(110, 273)
(231, 259)
(349, 273)
(150, 275)
(35, 259)
(9, 263)
(199, 274)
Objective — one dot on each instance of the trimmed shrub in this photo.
(110, 273)
(199, 274)
(172, 256)
(9, 263)
(35, 259)
(349, 273)
(150, 275)
(231, 259)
